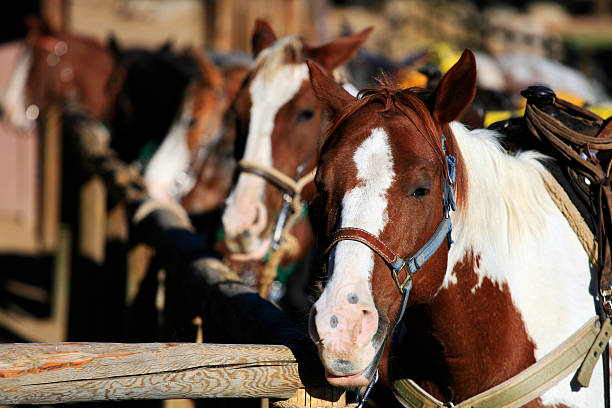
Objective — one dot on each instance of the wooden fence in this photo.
(68, 372)
(285, 365)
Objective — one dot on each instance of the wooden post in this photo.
(51, 178)
(92, 220)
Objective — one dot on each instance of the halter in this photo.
(293, 208)
(397, 263)
(414, 263)
(292, 189)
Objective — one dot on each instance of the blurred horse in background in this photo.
(56, 67)
(149, 87)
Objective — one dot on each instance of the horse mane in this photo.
(287, 50)
(413, 104)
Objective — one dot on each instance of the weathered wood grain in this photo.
(65, 372)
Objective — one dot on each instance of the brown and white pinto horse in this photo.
(512, 287)
(277, 124)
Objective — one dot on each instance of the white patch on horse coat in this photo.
(365, 207)
(14, 98)
(268, 94)
(524, 241)
(170, 159)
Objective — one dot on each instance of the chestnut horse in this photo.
(277, 122)
(57, 67)
(512, 287)
(193, 148)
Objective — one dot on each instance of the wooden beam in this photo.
(42, 373)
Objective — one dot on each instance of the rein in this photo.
(293, 208)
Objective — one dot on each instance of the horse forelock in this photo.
(287, 50)
(411, 103)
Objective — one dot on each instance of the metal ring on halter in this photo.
(361, 400)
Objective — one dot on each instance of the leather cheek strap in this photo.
(363, 236)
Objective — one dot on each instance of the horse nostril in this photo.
(352, 298)
(257, 211)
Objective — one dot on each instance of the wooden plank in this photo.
(60, 292)
(92, 221)
(53, 11)
(63, 372)
(31, 328)
(51, 178)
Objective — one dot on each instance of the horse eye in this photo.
(420, 192)
(305, 116)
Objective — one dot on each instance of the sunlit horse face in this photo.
(381, 169)
(191, 144)
(278, 120)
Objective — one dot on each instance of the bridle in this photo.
(293, 208)
(398, 264)
(291, 188)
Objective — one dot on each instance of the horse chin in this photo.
(255, 255)
(348, 381)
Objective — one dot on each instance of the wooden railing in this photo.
(284, 365)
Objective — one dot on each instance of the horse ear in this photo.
(114, 47)
(165, 47)
(263, 36)
(37, 25)
(333, 96)
(455, 90)
(210, 73)
(337, 52)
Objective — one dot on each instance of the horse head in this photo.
(62, 69)
(211, 138)
(385, 181)
(57, 67)
(277, 121)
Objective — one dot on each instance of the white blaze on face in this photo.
(351, 263)
(269, 92)
(170, 159)
(13, 100)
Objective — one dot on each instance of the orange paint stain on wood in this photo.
(55, 365)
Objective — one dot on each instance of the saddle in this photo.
(581, 144)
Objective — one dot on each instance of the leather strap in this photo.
(276, 177)
(523, 387)
(363, 236)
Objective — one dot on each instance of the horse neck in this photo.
(505, 301)
(91, 79)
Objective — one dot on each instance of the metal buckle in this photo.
(407, 281)
(361, 401)
(277, 235)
